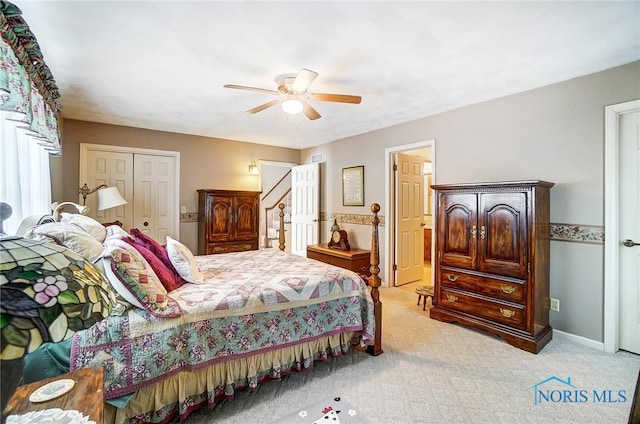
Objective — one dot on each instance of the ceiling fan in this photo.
(293, 95)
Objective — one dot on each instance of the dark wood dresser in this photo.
(356, 260)
(492, 259)
(227, 221)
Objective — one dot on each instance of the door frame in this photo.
(388, 276)
(85, 147)
(611, 224)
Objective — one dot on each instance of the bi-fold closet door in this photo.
(147, 179)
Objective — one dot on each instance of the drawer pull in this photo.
(451, 298)
(508, 313)
(452, 277)
(508, 289)
(474, 231)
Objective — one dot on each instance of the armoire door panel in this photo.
(503, 234)
(246, 210)
(458, 243)
(220, 222)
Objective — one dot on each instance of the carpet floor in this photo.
(433, 372)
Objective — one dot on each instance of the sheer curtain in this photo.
(25, 178)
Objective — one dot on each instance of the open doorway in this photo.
(426, 151)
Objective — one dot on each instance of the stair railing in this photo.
(266, 215)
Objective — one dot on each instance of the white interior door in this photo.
(629, 231)
(112, 169)
(409, 218)
(305, 207)
(154, 200)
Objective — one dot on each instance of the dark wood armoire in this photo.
(492, 259)
(228, 221)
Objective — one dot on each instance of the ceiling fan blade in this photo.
(310, 112)
(263, 107)
(342, 98)
(242, 87)
(303, 80)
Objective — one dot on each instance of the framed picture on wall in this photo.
(353, 186)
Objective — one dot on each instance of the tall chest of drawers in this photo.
(492, 259)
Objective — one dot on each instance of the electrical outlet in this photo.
(183, 209)
(554, 304)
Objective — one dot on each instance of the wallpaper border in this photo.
(575, 233)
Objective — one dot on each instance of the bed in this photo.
(238, 320)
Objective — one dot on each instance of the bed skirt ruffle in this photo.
(181, 394)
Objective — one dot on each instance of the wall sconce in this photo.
(85, 191)
(58, 207)
(253, 168)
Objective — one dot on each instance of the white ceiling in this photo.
(162, 65)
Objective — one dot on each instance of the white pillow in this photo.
(114, 232)
(87, 223)
(70, 236)
(183, 261)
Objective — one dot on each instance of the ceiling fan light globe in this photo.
(292, 106)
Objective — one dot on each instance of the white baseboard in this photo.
(578, 339)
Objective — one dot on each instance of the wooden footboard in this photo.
(374, 280)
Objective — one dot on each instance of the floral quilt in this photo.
(251, 302)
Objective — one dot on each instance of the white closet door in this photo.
(112, 169)
(154, 196)
(147, 179)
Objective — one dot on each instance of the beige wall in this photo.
(554, 133)
(204, 162)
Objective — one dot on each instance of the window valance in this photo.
(28, 92)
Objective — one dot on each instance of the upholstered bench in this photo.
(424, 292)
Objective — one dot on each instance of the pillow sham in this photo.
(169, 278)
(183, 261)
(156, 248)
(134, 279)
(87, 223)
(70, 236)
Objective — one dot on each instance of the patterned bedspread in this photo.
(251, 302)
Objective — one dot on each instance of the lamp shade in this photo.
(48, 293)
(110, 198)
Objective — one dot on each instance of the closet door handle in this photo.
(145, 223)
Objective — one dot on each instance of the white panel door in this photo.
(305, 207)
(154, 196)
(112, 169)
(629, 180)
(409, 218)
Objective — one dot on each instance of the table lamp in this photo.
(47, 293)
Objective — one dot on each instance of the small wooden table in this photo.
(356, 260)
(86, 396)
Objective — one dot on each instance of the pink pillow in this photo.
(155, 247)
(169, 278)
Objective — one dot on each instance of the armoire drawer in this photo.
(505, 313)
(510, 290)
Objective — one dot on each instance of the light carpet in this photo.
(434, 372)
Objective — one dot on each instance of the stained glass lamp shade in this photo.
(47, 293)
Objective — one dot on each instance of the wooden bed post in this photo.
(375, 281)
(281, 206)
